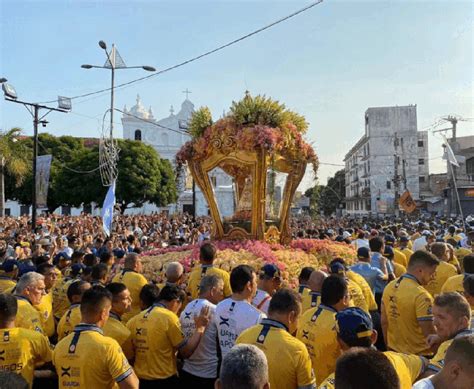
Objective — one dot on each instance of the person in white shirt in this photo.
(269, 281)
(361, 240)
(424, 241)
(236, 314)
(200, 369)
(457, 371)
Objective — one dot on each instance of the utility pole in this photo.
(396, 177)
(64, 105)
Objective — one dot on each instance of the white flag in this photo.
(449, 153)
(108, 209)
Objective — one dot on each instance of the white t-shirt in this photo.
(232, 318)
(262, 301)
(203, 362)
(423, 384)
(420, 244)
(358, 243)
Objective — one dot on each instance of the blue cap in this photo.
(353, 324)
(404, 239)
(363, 252)
(9, 265)
(337, 268)
(60, 255)
(270, 270)
(119, 253)
(25, 267)
(389, 251)
(389, 239)
(77, 269)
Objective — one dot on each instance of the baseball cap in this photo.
(389, 251)
(9, 265)
(427, 233)
(389, 239)
(25, 267)
(363, 252)
(353, 324)
(77, 268)
(336, 268)
(270, 270)
(346, 235)
(404, 239)
(60, 255)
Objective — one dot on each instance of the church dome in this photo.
(187, 109)
(139, 110)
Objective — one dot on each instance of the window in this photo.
(421, 161)
(214, 181)
(164, 138)
(389, 185)
(420, 143)
(368, 166)
(421, 179)
(138, 135)
(8, 212)
(470, 167)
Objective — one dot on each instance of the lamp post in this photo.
(114, 62)
(64, 105)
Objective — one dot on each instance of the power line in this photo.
(207, 53)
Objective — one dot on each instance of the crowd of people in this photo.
(76, 310)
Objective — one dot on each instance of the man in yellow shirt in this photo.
(452, 318)
(114, 328)
(454, 283)
(443, 271)
(357, 297)
(398, 256)
(207, 254)
(317, 327)
(313, 298)
(59, 291)
(157, 335)
(406, 310)
(45, 308)
(88, 359)
(403, 246)
(355, 329)
(72, 316)
(9, 274)
(303, 280)
(29, 292)
(289, 365)
(20, 349)
(133, 280)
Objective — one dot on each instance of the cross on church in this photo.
(187, 93)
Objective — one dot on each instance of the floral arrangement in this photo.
(290, 260)
(254, 123)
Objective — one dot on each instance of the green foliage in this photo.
(327, 198)
(143, 176)
(13, 153)
(200, 120)
(261, 110)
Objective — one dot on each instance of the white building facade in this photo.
(167, 135)
(391, 157)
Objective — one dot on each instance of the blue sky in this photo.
(330, 63)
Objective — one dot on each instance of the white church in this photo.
(167, 135)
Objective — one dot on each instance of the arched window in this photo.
(138, 135)
(164, 138)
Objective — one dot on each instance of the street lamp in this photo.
(114, 62)
(64, 105)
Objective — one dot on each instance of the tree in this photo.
(12, 162)
(327, 198)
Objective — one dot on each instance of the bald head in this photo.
(316, 280)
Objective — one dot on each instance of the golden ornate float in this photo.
(259, 145)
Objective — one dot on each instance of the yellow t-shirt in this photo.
(45, 308)
(407, 366)
(399, 257)
(115, 329)
(310, 300)
(454, 284)
(443, 271)
(408, 253)
(357, 297)
(365, 288)
(134, 282)
(27, 316)
(405, 303)
(303, 289)
(198, 272)
(317, 331)
(437, 362)
(398, 269)
(289, 365)
(462, 252)
(60, 301)
(21, 350)
(88, 359)
(71, 318)
(6, 283)
(156, 335)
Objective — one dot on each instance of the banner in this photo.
(108, 209)
(407, 203)
(43, 165)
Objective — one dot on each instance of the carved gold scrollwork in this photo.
(272, 235)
